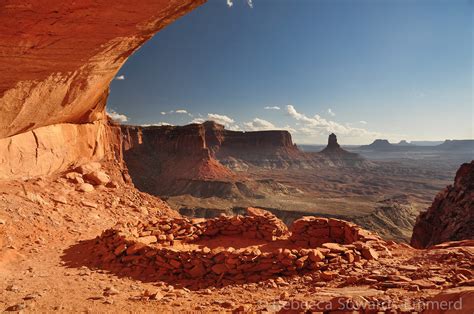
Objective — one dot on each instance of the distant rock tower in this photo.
(332, 142)
(340, 157)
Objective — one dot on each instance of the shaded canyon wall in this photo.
(451, 216)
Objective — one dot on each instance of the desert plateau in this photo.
(152, 159)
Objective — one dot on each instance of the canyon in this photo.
(206, 160)
(82, 227)
(204, 170)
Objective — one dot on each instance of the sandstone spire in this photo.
(332, 142)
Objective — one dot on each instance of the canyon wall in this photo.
(53, 148)
(197, 159)
(169, 160)
(209, 137)
(239, 150)
(211, 141)
(451, 216)
(58, 59)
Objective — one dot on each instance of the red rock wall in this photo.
(225, 142)
(187, 140)
(58, 59)
(53, 148)
(259, 140)
(451, 216)
(194, 138)
(176, 152)
(171, 160)
(200, 140)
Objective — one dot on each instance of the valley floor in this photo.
(386, 198)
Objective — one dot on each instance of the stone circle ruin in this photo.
(238, 249)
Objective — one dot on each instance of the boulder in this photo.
(97, 177)
(148, 239)
(88, 168)
(334, 247)
(369, 253)
(85, 187)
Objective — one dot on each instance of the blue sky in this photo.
(396, 69)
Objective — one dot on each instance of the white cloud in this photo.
(271, 108)
(226, 121)
(178, 111)
(120, 77)
(331, 113)
(362, 122)
(290, 109)
(117, 117)
(157, 124)
(230, 3)
(222, 119)
(258, 125)
(197, 120)
(290, 129)
(316, 125)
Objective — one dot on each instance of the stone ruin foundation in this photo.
(199, 253)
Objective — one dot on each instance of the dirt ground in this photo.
(44, 269)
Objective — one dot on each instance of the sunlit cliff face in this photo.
(58, 63)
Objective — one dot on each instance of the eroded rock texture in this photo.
(451, 216)
(53, 148)
(57, 61)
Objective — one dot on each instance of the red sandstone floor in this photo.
(36, 234)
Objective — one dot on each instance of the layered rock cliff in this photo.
(451, 216)
(171, 160)
(199, 159)
(240, 150)
(58, 59)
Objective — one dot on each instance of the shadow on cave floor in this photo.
(86, 253)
